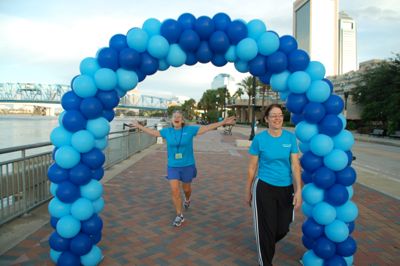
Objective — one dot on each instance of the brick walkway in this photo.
(218, 228)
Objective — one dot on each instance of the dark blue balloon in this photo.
(94, 158)
(108, 58)
(330, 125)
(81, 244)
(298, 60)
(171, 30)
(346, 248)
(287, 44)
(67, 258)
(109, 99)
(349, 157)
(58, 242)
(191, 59)
(53, 222)
(91, 107)
(74, 121)
(189, 40)
(72, 81)
(57, 174)
(277, 62)
(323, 177)
(346, 177)
(313, 112)
(307, 242)
(80, 174)
(187, 21)
(95, 238)
(129, 58)
(118, 42)
(70, 101)
(219, 42)
(324, 248)
(336, 195)
(311, 162)
(98, 173)
(53, 153)
(204, 26)
(334, 105)
(219, 60)
(335, 261)
(109, 115)
(266, 78)
(312, 229)
(149, 64)
(236, 31)
(351, 227)
(329, 83)
(257, 66)
(221, 21)
(92, 226)
(67, 192)
(306, 177)
(141, 75)
(295, 102)
(204, 53)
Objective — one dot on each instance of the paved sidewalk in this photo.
(218, 228)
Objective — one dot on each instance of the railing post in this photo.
(24, 193)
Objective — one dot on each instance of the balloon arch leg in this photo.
(83, 127)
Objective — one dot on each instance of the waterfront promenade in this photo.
(218, 228)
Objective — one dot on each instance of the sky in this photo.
(44, 41)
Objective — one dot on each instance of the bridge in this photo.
(50, 94)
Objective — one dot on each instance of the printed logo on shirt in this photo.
(286, 145)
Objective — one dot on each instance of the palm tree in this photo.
(246, 85)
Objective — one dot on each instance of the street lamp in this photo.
(253, 113)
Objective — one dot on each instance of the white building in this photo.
(224, 80)
(315, 27)
(347, 44)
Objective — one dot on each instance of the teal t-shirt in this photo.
(273, 154)
(180, 141)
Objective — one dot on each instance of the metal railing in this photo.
(23, 179)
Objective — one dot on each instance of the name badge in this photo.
(178, 156)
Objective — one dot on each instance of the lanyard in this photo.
(180, 139)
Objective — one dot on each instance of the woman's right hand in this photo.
(135, 124)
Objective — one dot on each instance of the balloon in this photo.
(298, 60)
(118, 42)
(189, 40)
(68, 259)
(176, 56)
(330, 125)
(257, 66)
(310, 259)
(347, 212)
(73, 121)
(335, 261)
(241, 66)
(334, 105)
(296, 118)
(324, 213)
(246, 49)
(221, 21)
(163, 65)
(57, 174)
(316, 70)
(82, 209)
(84, 86)
(305, 131)
(67, 192)
(91, 107)
(268, 43)
(255, 28)
(67, 157)
(102, 143)
(219, 42)
(137, 39)
(187, 21)
(92, 190)
(152, 27)
(312, 229)
(307, 242)
(296, 102)
(54, 255)
(93, 225)
(127, 80)
(129, 58)
(310, 162)
(306, 177)
(98, 173)
(53, 222)
(149, 65)
(277, 62)
(53, 188)
(337, 231)
(204, 26)
(336, 160)
(318, 91)
(323, 177)
(59, 136)
(108, 58)
(158, 46)
(204, 53)
(307, 209)
(109, 99)
(236, 31)
(346, 248)
(93, 257)
(266, 78)
(57, 208)
(99, 127)
(81, 244)
(191, 59)
(58, 242)
(98, 205)
(299, 82)
(312, 194)
(344, 140)
(337, 195)
(218, 60)
(230, 55)
(346, 177)
(68, 226)
(287, 44)
(94, 158)
(70, 101)
(80, 174)
(343, 119)
(324, 248)
(279, 82)
(321, 144)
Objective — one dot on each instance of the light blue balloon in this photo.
(121, 93)
(255, 28)
(58, 209)
(299, 82)
(98, 205)
(283, 95)
(92, 258)
(82, 209)
(350, 190)
(304, 147)
(163, 65)
(230, 55)
(316, 70)
(54, 255)
(105, 79)
(242, 66)
(344, 140)
(152, 27)
(68, 226)
(336, 160)
(89, 66)
(344, 120)
(268, 43)
(176, 56)
(324, 213)
(82, 141)
(99, 127)
(347, 212)
(67, 157)
(53, 188)
(319, 91)
(101, 143)
(279, 81)
(337, 231)
(310, 259)
(60, 118)
(349, 260)
(305, 131)
(84, 86)
(158, 46)
(137, 39)
(312, 194)
(321, 144)
(127, 80)
(307, 209)
(59, 136)
(246, 49)
(92, 190)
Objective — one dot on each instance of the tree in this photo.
(247, 85)
(188, 108)
(209, 103)
(378, 93)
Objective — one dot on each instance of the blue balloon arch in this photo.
(84, 125)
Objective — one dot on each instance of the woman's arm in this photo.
(296, 172)
(251, 172)
(147, 130)
(226, 121)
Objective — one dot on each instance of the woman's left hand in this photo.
(230, 120)
(297, 200)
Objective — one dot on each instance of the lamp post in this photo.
(253, 113)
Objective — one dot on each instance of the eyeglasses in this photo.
(276, 116)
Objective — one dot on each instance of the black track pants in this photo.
(272, 215)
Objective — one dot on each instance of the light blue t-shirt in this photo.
(180, 141)
(273, 154)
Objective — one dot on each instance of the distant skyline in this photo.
(44, 41)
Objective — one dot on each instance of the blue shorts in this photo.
(184, 174)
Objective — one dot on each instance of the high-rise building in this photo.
(224, 81)
(315, 26)
(347, 44)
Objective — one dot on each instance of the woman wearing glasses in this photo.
(181, 163)
(274, 153)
